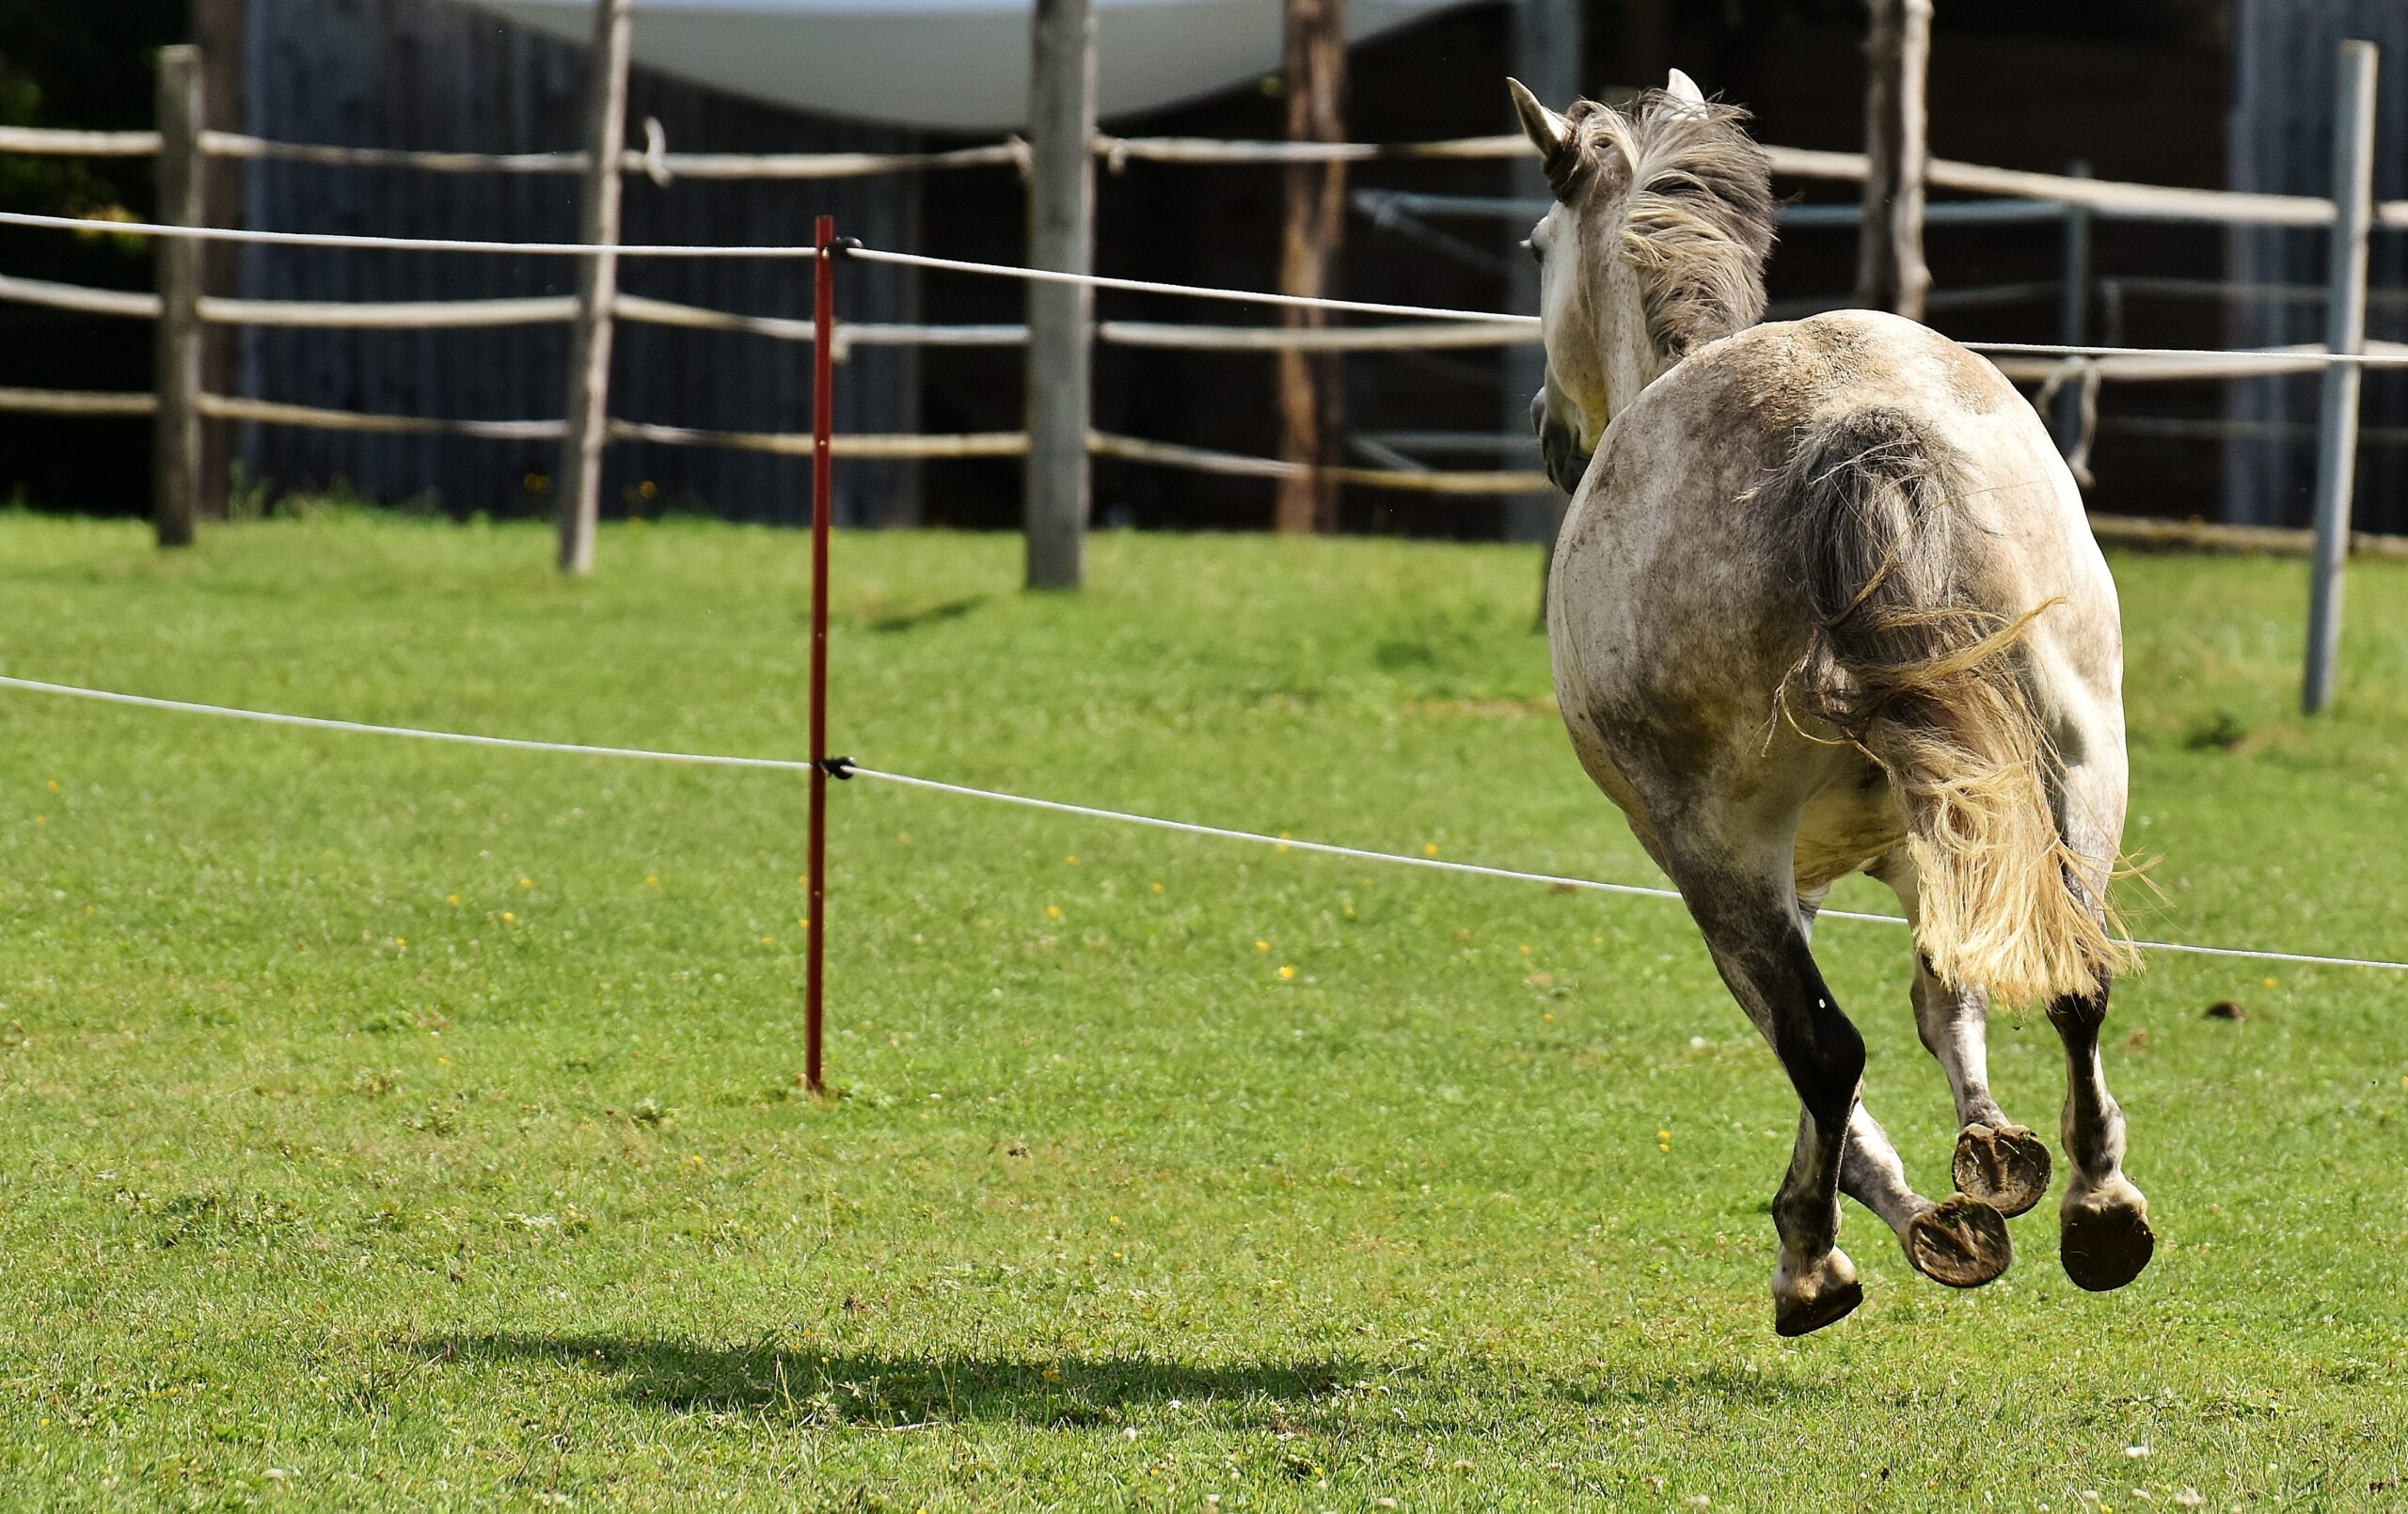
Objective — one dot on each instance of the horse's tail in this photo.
(1936, 688)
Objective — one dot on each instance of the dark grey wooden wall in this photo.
(2284, 68)
(436, 74)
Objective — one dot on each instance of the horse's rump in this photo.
(1935, 687)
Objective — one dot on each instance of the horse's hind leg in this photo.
(1998, 1161)
(2105, 1238)
(1752, 926)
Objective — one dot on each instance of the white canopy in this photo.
(959, 64)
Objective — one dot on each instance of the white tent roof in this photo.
(946, 63)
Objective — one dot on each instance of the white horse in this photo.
(1825, 603)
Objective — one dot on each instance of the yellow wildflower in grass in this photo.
(53, 785)
(1287, 974)
(525, 883)
(508, 917)
(1429, 849)
(41, 820)
(1285, 837)
(1053, 911)
(1262, 946)
(652, 881)
(769, 940)
(2270, 984)
(452, 899)
(1158, 888)
(1070, 861)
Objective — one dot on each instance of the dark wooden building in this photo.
(436, 75)
(2285, 62)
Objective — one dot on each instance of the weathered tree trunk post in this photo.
(1061, 237)
(176, 439)
(1891, 273)
(218, 31)
(2345, 329)
(1311, 399)
(579, 484)
(1546, 56)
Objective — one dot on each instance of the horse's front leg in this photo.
(1997, 1160)
(1962, 1239)
(1753, 927)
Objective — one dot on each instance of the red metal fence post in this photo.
(823, 501)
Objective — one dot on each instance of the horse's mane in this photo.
(1696, 216)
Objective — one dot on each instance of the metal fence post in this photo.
(1061, 237)
(175, 435)
(2074, 316)
(597, 285)
(2345, 321)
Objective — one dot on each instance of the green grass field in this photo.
(400, 1123)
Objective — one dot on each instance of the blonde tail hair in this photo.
(1933, 687)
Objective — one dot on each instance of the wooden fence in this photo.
(178, 403)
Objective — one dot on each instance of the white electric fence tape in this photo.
(847, 768)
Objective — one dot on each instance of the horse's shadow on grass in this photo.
(909, 1389)
(912, 619)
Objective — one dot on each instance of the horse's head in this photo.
(1655, 246)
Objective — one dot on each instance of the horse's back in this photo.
(1679, 606)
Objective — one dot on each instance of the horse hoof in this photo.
(1960, 1241)
(2006, 1166)
(2105, 1239)
(1800, 1306)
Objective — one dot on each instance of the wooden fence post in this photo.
(2345, 324)
(579, 481)
(1546, 57)
(1061, 335)
(1311, 384)
(1891, 273)
(176, 437)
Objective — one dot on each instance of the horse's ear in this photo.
(1684, 89)
(1549, 133)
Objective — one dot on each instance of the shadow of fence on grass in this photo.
(905, 1391)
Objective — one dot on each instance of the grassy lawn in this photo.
(421, 1124)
